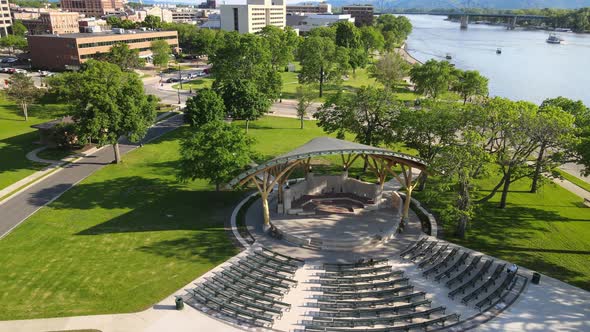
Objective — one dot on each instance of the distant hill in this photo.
(492, 4)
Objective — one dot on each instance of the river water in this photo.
(528, 68)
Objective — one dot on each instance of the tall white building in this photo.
(5, 19)
(253, 16)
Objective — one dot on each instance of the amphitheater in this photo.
(333, 253)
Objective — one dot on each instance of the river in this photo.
(528, 68)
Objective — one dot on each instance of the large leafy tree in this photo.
(470, 83)
(207, 106)
(282, 44)
(13, 43)
(322, 61)
(368, 114)
(124, 57)
(304, 101)
(106, 103)
(347, 35)
(428, 129)
(152, 22)
(23, 91)
(161, 52)
(206, 42)
(186, 33)
(432, 78)
(216, 152)
(243, 100)
(372, 39)
(389, 69)
(245, 57)
(18, 28)
(395, 29)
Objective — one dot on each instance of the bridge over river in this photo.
(512, 19)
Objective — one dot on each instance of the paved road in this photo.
(20, 207)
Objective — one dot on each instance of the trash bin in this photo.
(536, 278)
(179, 303)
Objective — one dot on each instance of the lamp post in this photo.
(179, 87)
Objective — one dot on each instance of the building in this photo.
(310, 8)
(53, 23)
(362, 14)
(304, 23)
(164, 14)
(6, 19)
(92, 24)
(94, 8)
(253, 16)
(213, 22)
(186, 14)
(211, 4)
(60, 52)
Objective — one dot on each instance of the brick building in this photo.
(310, 8)
(94, 8)
(53, 23)
(69, 51)
(362, 14)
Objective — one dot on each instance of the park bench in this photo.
(358, 287)
(373, 311)
(354, 272)
(434, 257)
(235, 311)
(271, 266)
(288, 258)
(335, 304)
(257, 269)
(231, 298)
(471, 282)
(259, 277)
(360, 295)
(422, 253)
(291, 263)
(363, 263)
(455, 267)
(484, 287)
(464, 273)
(390, 320)
(506, 284)
(232, 279)
(417, 245)
(239, 292)
(258, 280)
(422, 326)
(354, 280)
(443, 263)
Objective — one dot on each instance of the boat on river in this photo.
(498, 51)
(554, 39)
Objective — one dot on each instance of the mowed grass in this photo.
(120, 241)
(195, 85)
(573, 179)
(547, 231)
(17, 138)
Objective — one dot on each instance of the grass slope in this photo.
(547, 231)
(573, 179)
(17, 137)
(123, 239)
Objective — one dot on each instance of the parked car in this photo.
(45, 73)
(19, 71)
(9, 60)
(172, 80)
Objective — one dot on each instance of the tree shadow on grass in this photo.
(13, 151)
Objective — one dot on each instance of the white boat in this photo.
(553, 39)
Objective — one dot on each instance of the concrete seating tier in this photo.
(358, 279)
(248, 290)
(421, 326)
(336, 304)
(388, 320)
(358, 287)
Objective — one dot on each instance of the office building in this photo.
(94, 8)
(53, 23)
(304, 23)
(310, 8)
(164, 14)
(253, 16)
(362, 14)
(60, 52)
(5, 19)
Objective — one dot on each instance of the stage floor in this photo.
(338, 227)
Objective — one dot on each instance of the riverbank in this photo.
(403, 52)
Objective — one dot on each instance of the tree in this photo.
(245, 57)
(106, 103)
(244, 101)
(282, 44)
(432, 78)
(117, 22)
(22, 90)
(161, 53)
(207, 106)
(322, 61)
(18, 28)
(389, 69)
(428, 129)
(555, 133)
(347, 35)
(358, 58)
(471, 83)
(368, 114)
(152, 22)
(395, 29)
(216, 152)
(459, 165)
(304, 101)
(186, 33)
(13, 43)
(372, 39)
(206, 42)
(124, 57)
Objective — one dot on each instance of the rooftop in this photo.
(103, 33)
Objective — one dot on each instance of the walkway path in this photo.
(22, 205)
(581, 192)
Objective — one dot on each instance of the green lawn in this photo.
(573, 179)
(17, 137)
(198, 84)
(547, 231)
(55, 153)
(121, 240)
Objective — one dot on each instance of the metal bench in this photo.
(354, 280)
(455, 267)
(471, 282)
(465, 273)
(360, 295)
(434, 257)
(336, 304)
(443, 263)
(418, 244)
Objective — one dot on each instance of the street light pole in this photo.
(180, 87)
